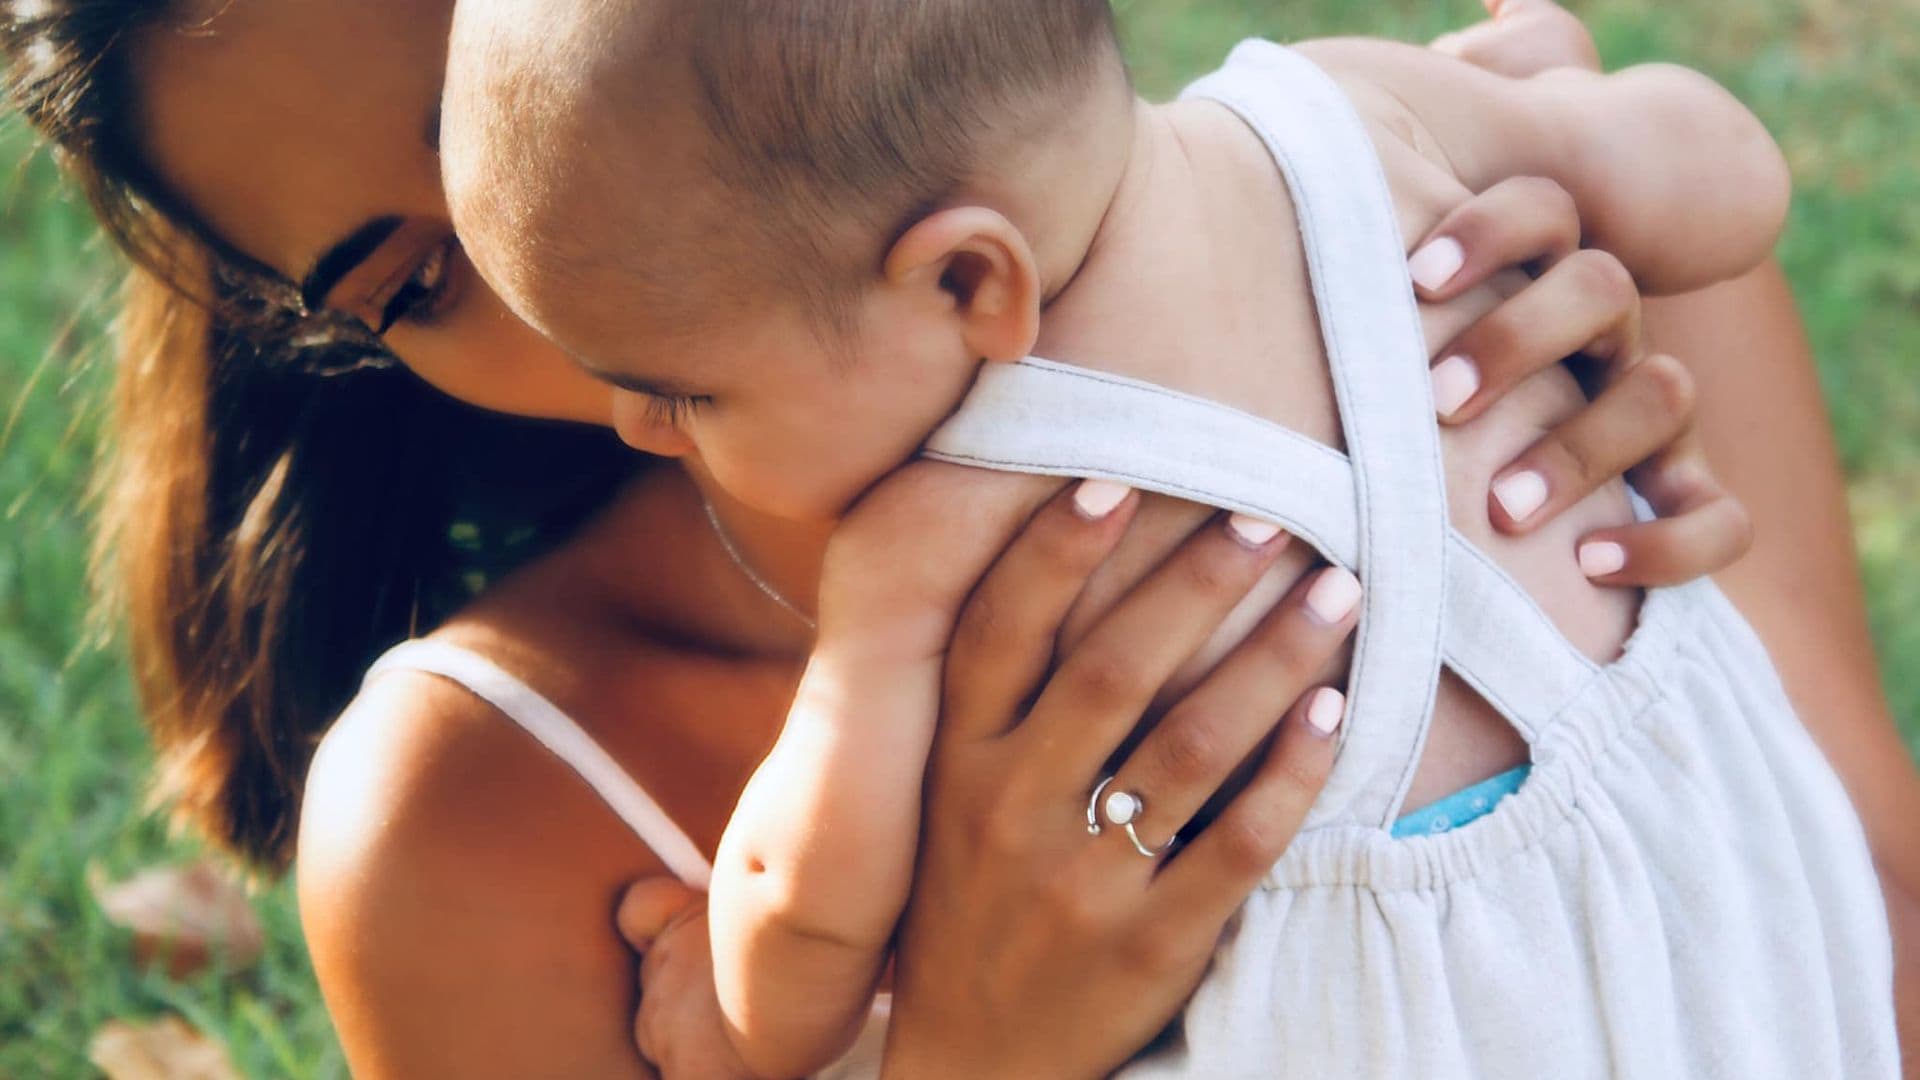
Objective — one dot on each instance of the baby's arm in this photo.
(817, 860)
(1670, 172)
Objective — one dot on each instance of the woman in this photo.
(445, 869)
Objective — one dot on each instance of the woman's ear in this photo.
(984, 266)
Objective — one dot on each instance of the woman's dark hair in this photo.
(280, 502)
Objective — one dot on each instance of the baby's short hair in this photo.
(865, 113)
(820, 106)
(829, 125)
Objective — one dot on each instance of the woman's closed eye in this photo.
(428, 293)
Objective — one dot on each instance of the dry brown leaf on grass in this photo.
(185, 917)
(165, 1049)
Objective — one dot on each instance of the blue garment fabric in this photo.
(1463, 807)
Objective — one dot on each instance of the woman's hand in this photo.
(1032, 948)
(1642, 422)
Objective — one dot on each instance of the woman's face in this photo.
(304, 133)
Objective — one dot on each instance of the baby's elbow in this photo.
(1758, 182)
(786, 910)
(1772, 193)
(1743, 184)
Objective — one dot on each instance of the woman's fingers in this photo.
(1103, 688)
(1206, 881)
(1702, 528)
(1004, 641)
(1647, 407)
(1524, 221)
(1190, 753)
(1586, 304)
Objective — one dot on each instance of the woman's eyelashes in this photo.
(428, 293)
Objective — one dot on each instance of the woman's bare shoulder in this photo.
(446, 864)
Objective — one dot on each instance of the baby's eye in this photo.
(426, 295)
(673, 410)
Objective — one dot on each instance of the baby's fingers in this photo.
(649, 907)
(1523, 38)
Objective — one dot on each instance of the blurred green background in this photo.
(1838, 82)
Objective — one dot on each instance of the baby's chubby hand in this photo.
(679, 1029)
(906, 557)
(1522, 38)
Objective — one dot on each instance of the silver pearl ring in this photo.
(1121, 809)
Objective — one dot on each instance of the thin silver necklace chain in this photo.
(747, 570)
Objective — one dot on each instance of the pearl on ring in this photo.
(1093, 807)
(1123, 807)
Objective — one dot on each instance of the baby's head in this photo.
(786, 229)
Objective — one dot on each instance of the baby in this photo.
(810, 240)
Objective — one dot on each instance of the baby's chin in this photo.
(799, 501)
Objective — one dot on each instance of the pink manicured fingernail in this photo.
(1437, 263)
(1334, 596)
(1602, 558)
(1455, 381)
(1521, 494)
(1252, 531)
(1327, 709)
(1095, 499)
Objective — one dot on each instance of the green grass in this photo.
(1834, 78)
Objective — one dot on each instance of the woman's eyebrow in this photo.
(342, 258)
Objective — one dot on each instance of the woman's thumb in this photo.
(649, 906)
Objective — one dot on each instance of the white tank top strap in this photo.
(1053, 419)
(1050, 419)
(562, 737)
(1377, 354)
(1379, 510)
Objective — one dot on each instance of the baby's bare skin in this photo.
(1177, 327)
(1152, 242)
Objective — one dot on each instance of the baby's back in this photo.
(1221, 306)
(1679, 889)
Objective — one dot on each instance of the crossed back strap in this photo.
(1380, 509)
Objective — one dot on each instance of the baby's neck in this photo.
(1189, 274)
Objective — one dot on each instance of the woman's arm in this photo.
(1761, 419)
(1764, 423)
(457, 891)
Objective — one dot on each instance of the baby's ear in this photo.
(978, 259)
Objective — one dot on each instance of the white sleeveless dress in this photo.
(1680, 889)
(576, 749)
